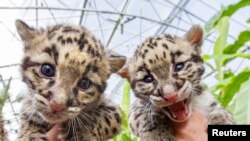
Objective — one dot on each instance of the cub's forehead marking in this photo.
(158, 41)
(73, 36)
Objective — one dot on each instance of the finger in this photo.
(201, 119)
(53, 133)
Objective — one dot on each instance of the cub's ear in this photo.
(116, 62)
(195, 37)
(26, 33)
(124, 73)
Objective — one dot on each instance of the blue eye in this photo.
(85, 83)
(178, 67)
(148, 79)
(47, 70)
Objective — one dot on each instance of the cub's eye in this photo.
(85, 83)
(178, 67)
(148, 79)
(48, 70)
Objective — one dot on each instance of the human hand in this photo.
(194, 129)
(52, 134)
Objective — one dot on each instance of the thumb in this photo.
(52, 134)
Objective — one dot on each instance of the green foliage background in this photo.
(232, 89)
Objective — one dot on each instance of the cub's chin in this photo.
(179, 111)
(54, 118)
(59, 117)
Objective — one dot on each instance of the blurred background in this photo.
(121, 25)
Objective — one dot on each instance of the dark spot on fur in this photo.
(29, 82)
(75, 39)
(150, 46)
(200, 71)
(69, 40)
(164, 54)
(137, 115)
(75, 91)
(48, 51)
(175, 75)
(199, 89)
(213, 104)
(51, 32)
(152, 128)
(137, 124)
(114, 130)
(196, 58)
(83, 62)
(63, 41)
(107, 121)
(28, 63)
(100, 88)
(68, 29)
(188, 66)
(111, 108)
(158, 38)
(106, 131)
(165, 45)
(82, 43)
(117, 117)
(59, 38)
(172, 58)
(51, 83)
(178, 53)
(169, 38)
(55, 53)
(156, 56)
(35, 73)
(150, 61)
(66, 55)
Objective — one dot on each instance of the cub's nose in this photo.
(171, 97)
(56, 107)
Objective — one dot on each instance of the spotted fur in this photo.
(164, 68)
(73, 56)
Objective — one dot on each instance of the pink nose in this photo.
(171, 97)
(56, 106)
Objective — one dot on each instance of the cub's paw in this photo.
(220, 117)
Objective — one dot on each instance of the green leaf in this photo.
(248, 21)
(220, 43)
(211, 22)
(240, 107)
(225, 12)
(231, 9)
(4, 93)
(126, 97)
(242, 55)
(233, 87)
(221, 84)
(124, 118)
(125, 134)
(228, 74)
(206, 57)
(242, 39)
(232, 56)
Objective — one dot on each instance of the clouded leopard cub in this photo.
(66, 69)
(165, 75)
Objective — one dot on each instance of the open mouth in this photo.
(179, 111)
